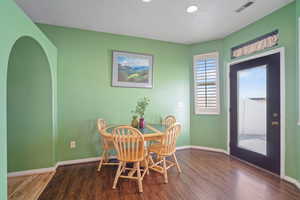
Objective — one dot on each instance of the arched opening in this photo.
(29, 108)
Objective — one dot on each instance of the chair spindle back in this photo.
(101, 125)
(169, 120)
(129, 143)
(169, 139)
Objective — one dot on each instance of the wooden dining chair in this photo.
(107, 145)
(129, 144)
(164, 149)
(169, 120)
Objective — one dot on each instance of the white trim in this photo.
(52, 169)
(202, 148)
(31, 172)
(207, 111)
(210, 149)
(292, 180)
(183, 147)
(78, 161)
(280, 50)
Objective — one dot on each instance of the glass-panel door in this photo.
(255, 111)
(252, 109)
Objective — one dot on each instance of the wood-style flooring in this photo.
(27, 187)
(206, 176)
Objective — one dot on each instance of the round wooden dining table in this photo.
(150, 132)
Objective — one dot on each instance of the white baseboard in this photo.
(183, 147)
(292, 180)
(52, 169)
(210, 149)
(202, 148)
(31, 172)
(78, 161)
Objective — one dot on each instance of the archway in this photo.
(29, 107)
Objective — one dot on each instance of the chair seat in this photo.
(159, 149)
(141, 155)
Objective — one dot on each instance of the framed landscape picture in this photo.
(132, 70)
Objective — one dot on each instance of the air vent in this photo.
(243, 7)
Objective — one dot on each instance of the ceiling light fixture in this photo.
(192, 9)
(146, 1)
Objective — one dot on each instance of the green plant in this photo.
(141, 106)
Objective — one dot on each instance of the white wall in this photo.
(252, 117)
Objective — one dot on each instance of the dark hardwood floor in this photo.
(206, 176)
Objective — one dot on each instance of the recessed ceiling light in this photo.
(146, 1)
(192, 9)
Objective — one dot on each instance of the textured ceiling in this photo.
(160, 19)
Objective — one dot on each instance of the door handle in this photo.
(275, 123)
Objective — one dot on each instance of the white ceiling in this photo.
(160, 19)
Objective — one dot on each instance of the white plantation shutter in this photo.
(206, 78)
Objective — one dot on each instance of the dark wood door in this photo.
(255, 111)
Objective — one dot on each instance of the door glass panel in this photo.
(252, 109)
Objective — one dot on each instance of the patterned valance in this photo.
(264, 42)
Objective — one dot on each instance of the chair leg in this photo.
(101, 161)
(123, 167)
(147, 165)
(119, 171)
(177, 165)
(139, 177)
(165, 170)
(105, 156)
(151, 160)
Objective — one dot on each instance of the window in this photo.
(206, 88)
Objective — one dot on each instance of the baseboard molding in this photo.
(183, 147)
(78, 161)
(31, 172)
(52, 169)
(292, 181)
(210, 149)
(203, 148)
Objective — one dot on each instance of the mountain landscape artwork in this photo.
(132, 70)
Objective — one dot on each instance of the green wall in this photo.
(85, 92)
(14, 25)
(298, 89)
(204, 131)
(29, 110)
(203, 128)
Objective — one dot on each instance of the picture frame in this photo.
(132, 70)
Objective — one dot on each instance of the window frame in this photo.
(207, 111)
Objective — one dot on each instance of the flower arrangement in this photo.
(141, 107)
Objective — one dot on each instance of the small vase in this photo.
(142, 123)
(134, 122)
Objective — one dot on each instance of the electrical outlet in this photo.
(73, 144)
